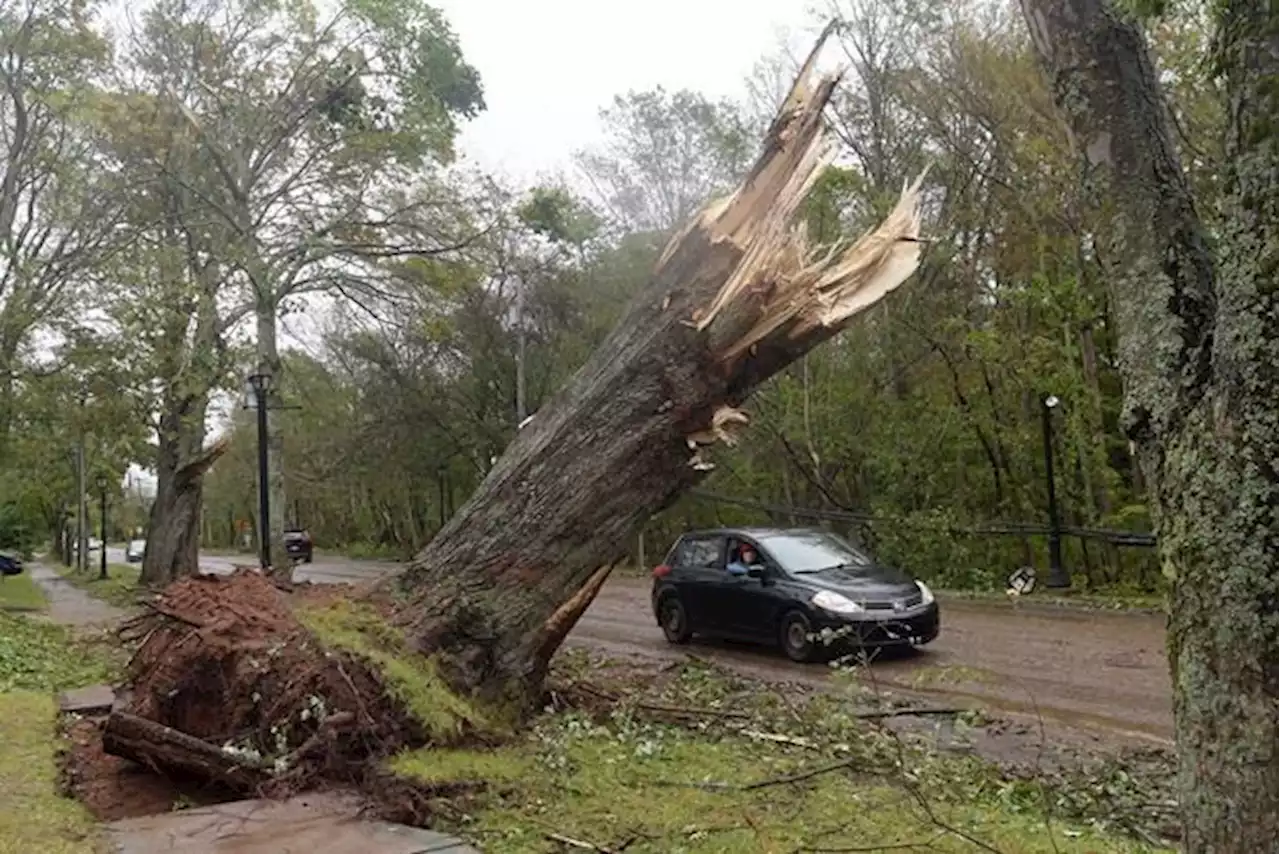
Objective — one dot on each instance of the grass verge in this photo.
(698, 761)
(33, 817)
(120, 587)
(1092, 601)
(20, 593)
(36, 655)
(38, 658)
(661, 788)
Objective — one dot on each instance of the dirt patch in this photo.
(114, 788)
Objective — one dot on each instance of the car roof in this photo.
(753, 532)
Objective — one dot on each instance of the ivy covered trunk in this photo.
(1199, 357)
(735, 297)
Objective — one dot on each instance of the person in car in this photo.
(747, 557)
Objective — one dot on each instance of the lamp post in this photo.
(261, 384)
(1058, 576)
(102, 534)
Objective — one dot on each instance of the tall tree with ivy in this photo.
(1195, 291)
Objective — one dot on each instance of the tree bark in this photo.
(173, 527)
(1198, 351)
(735, 297)
(155, 745)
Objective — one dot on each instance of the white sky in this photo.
(549, 66)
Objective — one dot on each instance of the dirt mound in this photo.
(224, 659)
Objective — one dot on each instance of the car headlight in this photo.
(828, 600)
(926, 595)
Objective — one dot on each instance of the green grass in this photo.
(410, 677)
(1117, 600)
(36, 655)
(20, 593)
(120, 587)
(38, 658)
(33, 816)
(669, 789)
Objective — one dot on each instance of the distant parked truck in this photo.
(134, 550)
(297, 544)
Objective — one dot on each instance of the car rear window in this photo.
(698, 551)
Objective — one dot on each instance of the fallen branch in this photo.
(160, 747)
(901, 713)
(578, 843)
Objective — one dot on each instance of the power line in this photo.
(1136, 539)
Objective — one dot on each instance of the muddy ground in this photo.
(1101, 673)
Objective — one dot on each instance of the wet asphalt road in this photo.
(1082, 668)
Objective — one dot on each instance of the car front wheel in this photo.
(674, 620)
(794, 637)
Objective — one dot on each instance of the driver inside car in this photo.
(747, 557)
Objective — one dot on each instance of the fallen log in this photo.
(736, 296)
(159, 747)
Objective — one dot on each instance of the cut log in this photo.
(157, 746)
(735, 297)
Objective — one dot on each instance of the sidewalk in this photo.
(69, 604)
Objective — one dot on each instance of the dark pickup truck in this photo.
(297, 544)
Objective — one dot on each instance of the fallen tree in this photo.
(736, 296)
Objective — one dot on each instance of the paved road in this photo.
(1082, 668)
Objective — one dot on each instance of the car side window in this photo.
(700, 553)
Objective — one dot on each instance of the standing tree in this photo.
(1198, 353)
(311, 128)
(667, 153)
(56, 214)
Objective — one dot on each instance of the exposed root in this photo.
(225, 661)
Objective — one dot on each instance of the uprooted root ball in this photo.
(225, 659)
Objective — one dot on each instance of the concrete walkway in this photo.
(69, 604)
(327, 823)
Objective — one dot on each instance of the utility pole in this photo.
(260, 384)
(1058, 576)
(82, 511)
(102, 551)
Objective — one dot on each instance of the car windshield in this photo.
(805, 551)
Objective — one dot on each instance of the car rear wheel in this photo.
(674, 620)
(794, 636)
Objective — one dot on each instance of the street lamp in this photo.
(261, 385)
(1058, 576)
(102, 549)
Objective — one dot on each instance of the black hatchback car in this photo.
(803, 590)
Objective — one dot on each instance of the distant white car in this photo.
(94, 544)
(134, 550)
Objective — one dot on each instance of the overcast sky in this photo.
(549, 66)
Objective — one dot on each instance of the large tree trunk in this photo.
(1198, 355)
(173, 529)
(735, 297)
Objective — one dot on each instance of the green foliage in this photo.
(20, 593)
(41, 656)
(620, 776)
